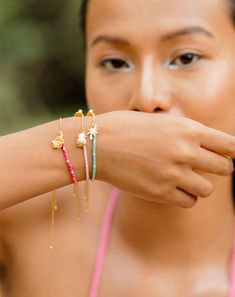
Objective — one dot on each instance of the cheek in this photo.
(211, 100)
(208, 98)
(105, 94)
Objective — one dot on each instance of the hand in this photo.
(159, 157)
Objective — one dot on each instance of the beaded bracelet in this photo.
(92, 132)
(59, 143)
(81, 143)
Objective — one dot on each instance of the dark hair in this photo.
(82, 18)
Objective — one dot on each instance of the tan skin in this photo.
(153, 78)
(155, 249)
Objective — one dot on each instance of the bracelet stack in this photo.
(59, 143)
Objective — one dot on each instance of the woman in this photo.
(159, 74)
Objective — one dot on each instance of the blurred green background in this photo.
(41, 62)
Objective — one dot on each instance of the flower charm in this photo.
(58, 142)
(92, 131)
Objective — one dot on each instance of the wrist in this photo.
(103, 147)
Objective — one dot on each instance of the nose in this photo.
(151, 89)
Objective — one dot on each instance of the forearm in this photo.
(30, 166)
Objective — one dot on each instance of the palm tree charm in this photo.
(92, 131)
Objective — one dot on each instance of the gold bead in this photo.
(90, 112)
(79, 113)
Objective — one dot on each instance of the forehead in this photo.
(148, 15)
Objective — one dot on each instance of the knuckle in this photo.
(185, 154)
(190, 156)
(163, 192)
(172, 174)
(190, 127)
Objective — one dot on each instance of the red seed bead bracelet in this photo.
(59, 143)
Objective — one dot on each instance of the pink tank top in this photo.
(104, 238)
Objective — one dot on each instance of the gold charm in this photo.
(58, 141)
(92, 131)
(81, 139)
(94, 128)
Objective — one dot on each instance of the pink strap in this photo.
(231, 292)
(105, 232)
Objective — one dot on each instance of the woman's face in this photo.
(175, 57)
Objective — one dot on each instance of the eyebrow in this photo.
(187, 31)
(110, 39)
(166, 37)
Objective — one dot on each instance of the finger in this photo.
(195, 184)
(212, 162)
(217, 141)
(180, 198)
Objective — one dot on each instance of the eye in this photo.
(115, 65)
(187, 59)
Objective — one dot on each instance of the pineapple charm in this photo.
(94, 129)
(81, 139)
